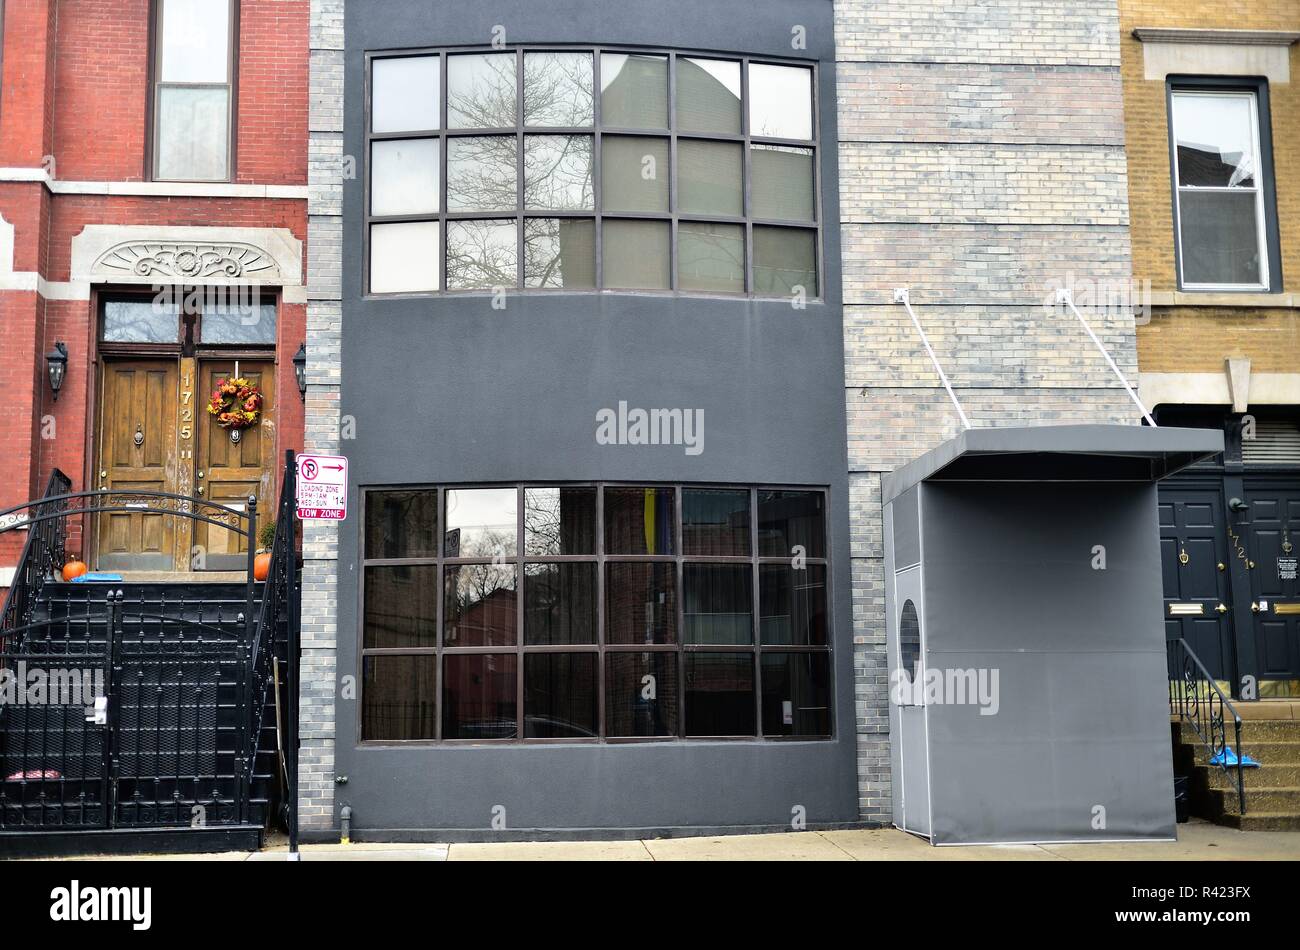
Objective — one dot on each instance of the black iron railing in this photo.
(1198, 701)
(185, 674)
(43, 554)
(273, 652)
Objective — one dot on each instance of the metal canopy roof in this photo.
(1089, 453)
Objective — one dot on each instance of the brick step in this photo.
(1261, 821)
(1266, 753)
(1252, 731)
(1265, 777)
(1280, 799)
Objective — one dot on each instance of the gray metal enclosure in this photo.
(1023, 579)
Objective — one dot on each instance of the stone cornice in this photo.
(1162, 34)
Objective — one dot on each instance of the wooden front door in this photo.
(137, 452)
(228, 471)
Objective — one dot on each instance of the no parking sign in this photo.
(322, 487)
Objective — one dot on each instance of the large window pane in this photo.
(1220, 237)
(639, 520)
(559, 603)
(558, 173)
(790, 520)
(193, 129)
(481, 522)
(234, 320)
(782, 183)
(785, 258)
(634, 173)
(720, 694)
(715, 522)
(482, 255)
(717, 603)
(780, 101)
(481, 173)
(641, 694)
(560, 253)
(404, 177)
(480, 696)
(405, 94)
(638, 255)
(1215, 139)
(709, 178)
(708, 95)
(641, 602)
(404, 257)
(479, 606)
(401, 607)
(140, 321)
(634, 91)
(401, 524)
(796, 694)
(558, 89)
(399, 698)
(560, 696)
(481, 92)
(711, 257)
(195, 41)
(559, 521)
(792, 604)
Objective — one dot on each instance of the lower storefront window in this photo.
(594, 612)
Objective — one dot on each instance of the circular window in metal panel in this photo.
(909, 639)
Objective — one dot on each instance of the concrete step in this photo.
(1279, 800)
(1266, 753)
(1261, 821)
(1265, 777)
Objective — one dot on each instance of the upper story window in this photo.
(585, 169)
(193, 101)
(1221, 167)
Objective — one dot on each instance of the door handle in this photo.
(1221, 609)
(200, 489)
(103, 474)
(1254, 607)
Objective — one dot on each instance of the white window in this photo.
(1218, 171)
(193, 77)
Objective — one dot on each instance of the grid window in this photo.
(594, 613)
(591, 169)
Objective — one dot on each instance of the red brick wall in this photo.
(75, 87)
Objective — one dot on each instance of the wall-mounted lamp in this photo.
(56, 364)
(300, 370)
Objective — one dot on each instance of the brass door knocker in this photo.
(1182, 554)
(139, 435)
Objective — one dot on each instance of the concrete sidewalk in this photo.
(1197, 841)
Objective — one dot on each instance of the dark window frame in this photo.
(155, 85)
(189, 335)
(601, 648)
(1271, 252)
(674, 216)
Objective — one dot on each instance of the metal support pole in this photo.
(901, 295)
(293, 646)
(1064, 296)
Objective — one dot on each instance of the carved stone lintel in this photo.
(188, 262)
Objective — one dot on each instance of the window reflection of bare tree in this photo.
(482, 175)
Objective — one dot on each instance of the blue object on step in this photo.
(1228, 758)
(98, 578)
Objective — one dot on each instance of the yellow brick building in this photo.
(1212, 129)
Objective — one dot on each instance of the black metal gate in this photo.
(129, 712)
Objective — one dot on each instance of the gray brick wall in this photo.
(318, 688)
(982, 166)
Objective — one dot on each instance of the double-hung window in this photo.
(193, 90)
(1221, 190)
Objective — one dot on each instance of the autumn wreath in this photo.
(236, 403)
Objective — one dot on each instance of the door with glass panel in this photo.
(163, 359)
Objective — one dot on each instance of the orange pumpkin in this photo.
(262, 567)
(74, 568)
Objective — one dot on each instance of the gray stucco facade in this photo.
(976, 157)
